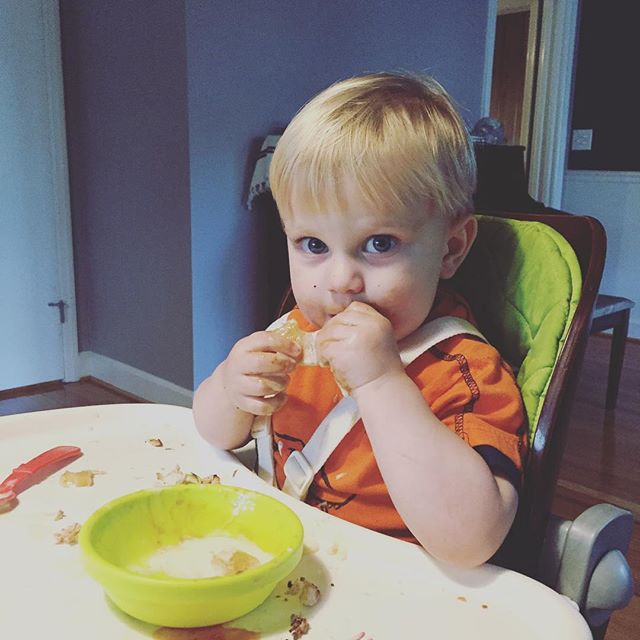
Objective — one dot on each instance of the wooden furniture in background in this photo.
(612, 312)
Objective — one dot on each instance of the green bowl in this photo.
(126, 531)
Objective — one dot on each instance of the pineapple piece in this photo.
(304, 339)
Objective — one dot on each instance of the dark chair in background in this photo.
(502, 189)
(612, 312)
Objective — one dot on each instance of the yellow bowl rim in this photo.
(264, 574)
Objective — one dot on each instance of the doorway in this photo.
(514, 62)
(533, 90)
(38, 336)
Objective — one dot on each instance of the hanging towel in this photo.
(260, 180)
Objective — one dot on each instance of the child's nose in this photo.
(345, 276)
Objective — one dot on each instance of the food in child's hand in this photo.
(68, 535)
(79, 478)
(304, 339)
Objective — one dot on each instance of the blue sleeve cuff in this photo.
(500, 465)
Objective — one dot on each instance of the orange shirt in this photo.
(464, 381)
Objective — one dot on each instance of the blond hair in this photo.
(398, 136)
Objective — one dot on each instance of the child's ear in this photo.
(460, 238)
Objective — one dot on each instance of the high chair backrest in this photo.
(532, 280)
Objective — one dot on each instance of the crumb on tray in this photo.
(68, 535)
(307, 592)
(155, 442)
(177, 476)
(59, 515)
(299, 626)
(79, 478)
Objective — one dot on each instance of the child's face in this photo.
(390, 262)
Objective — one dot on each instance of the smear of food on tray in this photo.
(79, 478)
(68, 535)
(212, 556)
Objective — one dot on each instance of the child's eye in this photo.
(380, 244)
(313, 245)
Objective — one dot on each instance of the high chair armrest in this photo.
(584, 559)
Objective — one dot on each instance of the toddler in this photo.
(374, 179)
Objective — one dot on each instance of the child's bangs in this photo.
(387, 183)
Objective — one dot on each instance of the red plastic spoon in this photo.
(24, 475)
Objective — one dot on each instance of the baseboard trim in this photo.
(134, 381)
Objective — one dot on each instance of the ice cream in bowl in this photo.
(191, 555)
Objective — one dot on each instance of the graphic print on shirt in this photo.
(465, 373)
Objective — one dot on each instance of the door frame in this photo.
(550, 127)
(60, 177)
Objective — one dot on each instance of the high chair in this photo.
(532, 281)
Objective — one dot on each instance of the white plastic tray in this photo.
(370, 583)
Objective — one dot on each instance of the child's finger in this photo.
(270, 341)
(261, 386)
(263, 406)
(267, 363)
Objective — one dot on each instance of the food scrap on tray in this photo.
(79, 478)
(68, 535)
(307, 592)
(299, 626)
(178, 476)
(59, 515)
(155, 442)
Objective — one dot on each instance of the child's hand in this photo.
(256, 372)
(359, 346)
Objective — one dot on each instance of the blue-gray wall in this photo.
(251, 65)
(166, 101)
(126, 107)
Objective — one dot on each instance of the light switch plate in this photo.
(581, 139)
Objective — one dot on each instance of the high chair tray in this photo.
(372, 586)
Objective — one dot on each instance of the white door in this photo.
(34, 248)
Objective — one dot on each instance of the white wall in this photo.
(613, 197)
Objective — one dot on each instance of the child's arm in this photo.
(445, 492)
(251, 381)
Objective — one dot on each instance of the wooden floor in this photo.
(56, 395)
(600, 463)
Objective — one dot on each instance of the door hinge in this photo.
(61, 304)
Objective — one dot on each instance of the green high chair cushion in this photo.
(523, 282)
